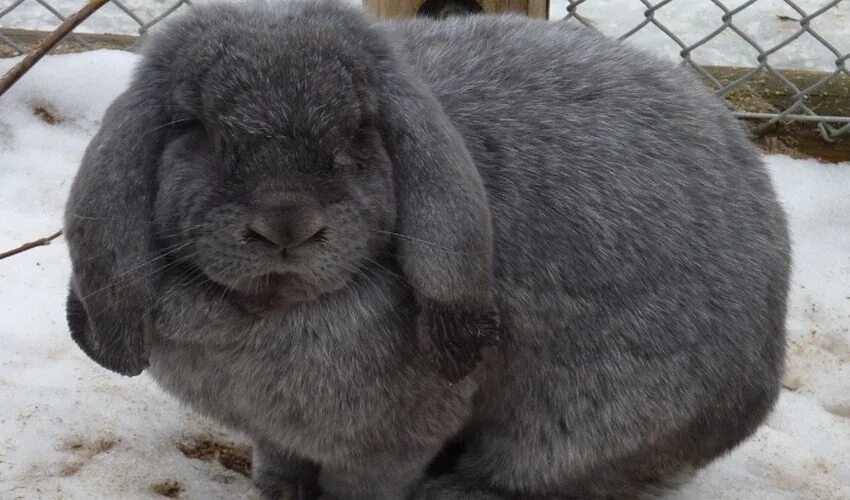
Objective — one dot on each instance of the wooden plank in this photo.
(34, 36)
(28, 39)
(767, 93)
(511, 6)
(392, 9)
(801, 140)
(538, 8)
(489, 5)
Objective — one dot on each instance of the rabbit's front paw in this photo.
(280, 475)
(278, 490)
(456, 334)
(276, 487)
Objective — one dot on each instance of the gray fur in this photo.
(612, 214)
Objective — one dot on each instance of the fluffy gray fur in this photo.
(436, 175)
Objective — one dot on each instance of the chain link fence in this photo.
(797, 90)
(26, 21)
(763, 91)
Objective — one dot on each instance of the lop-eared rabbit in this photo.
(487, 257)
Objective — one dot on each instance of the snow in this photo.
(767, 22)
(67, 427)
(803, 451)
(71, 429)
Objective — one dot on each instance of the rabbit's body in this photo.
(641, 260)
(639, 268)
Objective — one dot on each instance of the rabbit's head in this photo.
(285, 214)
(274, 152)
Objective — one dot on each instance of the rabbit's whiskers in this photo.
(175, 122)
(435, 246)
(118, 282)
(125, 285)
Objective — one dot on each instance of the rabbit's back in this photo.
(609, 173)
(641, 257)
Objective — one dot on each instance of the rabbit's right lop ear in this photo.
(108, 229)
(444, 235)
(109, 215)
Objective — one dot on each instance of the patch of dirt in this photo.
(46, 114)
(7, 135)
(71, 468)
(746, 97)
(799, 140)
(84, 450)
(774, 145)
(792, 383)
(170, 489)
(231, 456)
(88, 448)
(839, 410)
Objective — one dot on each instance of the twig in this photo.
(14, 74)
(32, 244)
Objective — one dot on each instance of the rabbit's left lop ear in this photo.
(444, 234)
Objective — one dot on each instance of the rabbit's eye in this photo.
(342, 159)
(188, 124)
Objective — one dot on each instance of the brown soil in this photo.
(231, 456)
(170, 489)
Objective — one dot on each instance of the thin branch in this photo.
(32, 244)
(14, 74)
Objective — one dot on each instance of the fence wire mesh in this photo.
(793, 106)
(796, 108)
(56, 12)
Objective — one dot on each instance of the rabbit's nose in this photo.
(286, 227)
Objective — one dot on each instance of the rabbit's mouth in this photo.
(277, 290)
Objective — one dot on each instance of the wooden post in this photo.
(394, 9)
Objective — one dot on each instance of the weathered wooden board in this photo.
(393, 9)
(767, 93)
(30, 38)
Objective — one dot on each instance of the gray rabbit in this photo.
(488, 257)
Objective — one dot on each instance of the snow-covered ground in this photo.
(69, 429)
(768, 22)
